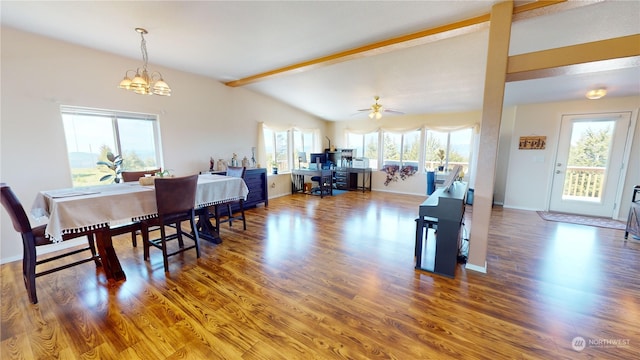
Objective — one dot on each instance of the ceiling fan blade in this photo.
(393, 111)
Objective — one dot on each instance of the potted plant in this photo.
(440, 155)
(114, 163)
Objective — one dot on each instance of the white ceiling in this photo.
(230, 40)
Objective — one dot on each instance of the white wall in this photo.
(530, 171)
(202, 118)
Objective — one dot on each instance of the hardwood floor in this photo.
(333, 278)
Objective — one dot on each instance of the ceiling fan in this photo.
(376, 110)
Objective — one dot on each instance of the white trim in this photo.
(477, 268)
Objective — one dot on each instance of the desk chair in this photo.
(32, 237)
(175, 200)
(320, 180)
(234, 172)
(134, 228)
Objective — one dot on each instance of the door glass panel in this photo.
(588, 160)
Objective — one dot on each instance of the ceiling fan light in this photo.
(378, 115)
(596, 94)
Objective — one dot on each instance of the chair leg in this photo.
(29, 268)
(179, 234)
(229, 214)
(196, 236)
(244, 221)
(134, 238)
(145, 241)
(163, 245)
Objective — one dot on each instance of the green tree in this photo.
(390, 149)
(431, 148)
(591, 149)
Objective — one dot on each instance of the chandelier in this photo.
(142, 82)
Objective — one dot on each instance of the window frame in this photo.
(116, 118)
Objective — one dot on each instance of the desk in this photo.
(97, 208)
(326, 180)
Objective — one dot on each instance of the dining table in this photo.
(100, 208)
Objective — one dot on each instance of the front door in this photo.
(589, 163)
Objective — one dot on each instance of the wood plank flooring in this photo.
(333, 278)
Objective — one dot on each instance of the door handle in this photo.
(558, 171)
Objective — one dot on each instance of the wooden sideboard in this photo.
(256, 180)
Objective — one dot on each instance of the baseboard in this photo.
(481, 269)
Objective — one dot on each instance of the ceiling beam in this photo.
(397, 43)
(621, 47)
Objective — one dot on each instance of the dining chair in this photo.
(130, 176)
(233, 171)
(175, 200)
(33, 237)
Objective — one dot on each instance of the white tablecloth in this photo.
(89, 208)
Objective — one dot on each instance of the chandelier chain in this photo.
(143, 48)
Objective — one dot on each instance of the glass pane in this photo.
(411, 149)
(88, 138)
(588, 160)
(269, 144)
(436, 141)
(391, 149)
(302, 142)
(460, 148)
(371, 149)
(281, 151)
(356, 142)
(137, 143)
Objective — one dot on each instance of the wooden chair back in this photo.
(176, 195)
(15, 210)
(128, 176)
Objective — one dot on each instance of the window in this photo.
(276, 148)
(365, 145)
(303, 141)
(401, 149)
(456, 146)
(279, 143)
(90, 134)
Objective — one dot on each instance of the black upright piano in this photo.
(446, 209)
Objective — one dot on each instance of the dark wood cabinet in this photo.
(256, 180)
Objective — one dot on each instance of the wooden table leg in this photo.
(206, 230)
(110, 262)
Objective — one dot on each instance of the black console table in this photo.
(633, 221)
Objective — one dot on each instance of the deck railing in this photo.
(583, 182)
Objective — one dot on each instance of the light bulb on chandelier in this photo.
(143, 83)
